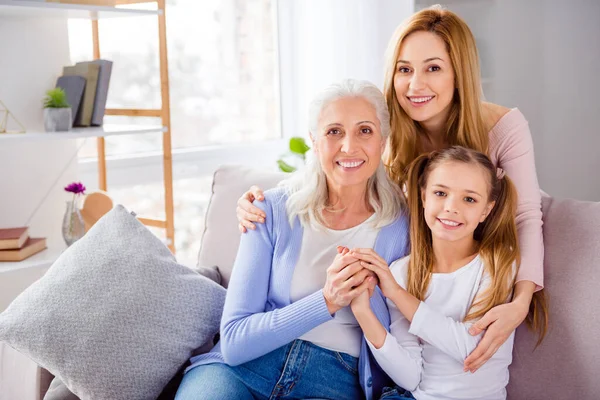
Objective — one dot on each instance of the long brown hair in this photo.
(465, 125)
(497, 239)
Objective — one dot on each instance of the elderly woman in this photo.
(287, 330)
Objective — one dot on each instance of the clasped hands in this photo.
(352, 278)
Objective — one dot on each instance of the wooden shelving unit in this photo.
(95, 10)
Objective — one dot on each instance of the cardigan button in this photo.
(370, 382)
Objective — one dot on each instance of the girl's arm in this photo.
(247, 330)
(398, 353)
(450, 336)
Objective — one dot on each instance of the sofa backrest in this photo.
(564, 365)
(221, 236)
(568, 360)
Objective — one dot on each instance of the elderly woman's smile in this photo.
(349, 143)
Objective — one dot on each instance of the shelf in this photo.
(76, 133)
(18, 8)
(43, 259)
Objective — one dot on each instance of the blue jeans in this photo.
(396, 393)
(298, 370)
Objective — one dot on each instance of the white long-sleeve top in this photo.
(427, 356)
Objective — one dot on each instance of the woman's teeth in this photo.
(420, 99)
(352, 164)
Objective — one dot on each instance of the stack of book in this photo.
(16, 245)
(86, 87)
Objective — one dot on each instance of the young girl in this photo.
(463, 262)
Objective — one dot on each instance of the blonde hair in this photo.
(465, 125)
(497, 236)
(308, 194)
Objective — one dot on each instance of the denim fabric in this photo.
(396, 393)
(298, 370)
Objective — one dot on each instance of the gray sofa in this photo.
(564, 366)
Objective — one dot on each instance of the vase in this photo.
(57, 119)
(73, 227)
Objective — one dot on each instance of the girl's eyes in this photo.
(440, 193)
(404, 70)
(433, 68)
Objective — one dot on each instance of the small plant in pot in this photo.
(57, 111)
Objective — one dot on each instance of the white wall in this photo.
(543, 56)
(569, 163)
(33, 52)
(325, 41)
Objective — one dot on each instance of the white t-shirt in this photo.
(318, 250)
(426, 356)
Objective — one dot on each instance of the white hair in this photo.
(307, 188)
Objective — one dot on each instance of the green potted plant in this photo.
(57, 111)
(296, 157)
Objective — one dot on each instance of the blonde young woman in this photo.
(433, 91)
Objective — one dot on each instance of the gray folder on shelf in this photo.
(101, 89)
(73, 86)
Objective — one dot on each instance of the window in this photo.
(224, 90)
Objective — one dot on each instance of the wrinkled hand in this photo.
(346, 279)
(372, 261)
(246, 212)
(498, 323)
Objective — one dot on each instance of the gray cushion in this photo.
(221, 237)
(59, 391)
(566, 363)
(211, 273)
(115, 317)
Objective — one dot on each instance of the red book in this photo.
(32, 246)
(13, 238)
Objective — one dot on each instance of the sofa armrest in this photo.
(20, 377)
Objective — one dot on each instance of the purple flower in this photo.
(75, 188)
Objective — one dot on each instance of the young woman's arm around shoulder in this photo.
(511, 146)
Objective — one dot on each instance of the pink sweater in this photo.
(511, 148)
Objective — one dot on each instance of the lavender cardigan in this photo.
(258, 316)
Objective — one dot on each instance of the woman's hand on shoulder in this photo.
(246, 212)
(499, 323)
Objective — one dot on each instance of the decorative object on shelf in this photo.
(73, 227)
(296, 157)
(95, 205)
(4, 115)
(57, 111)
